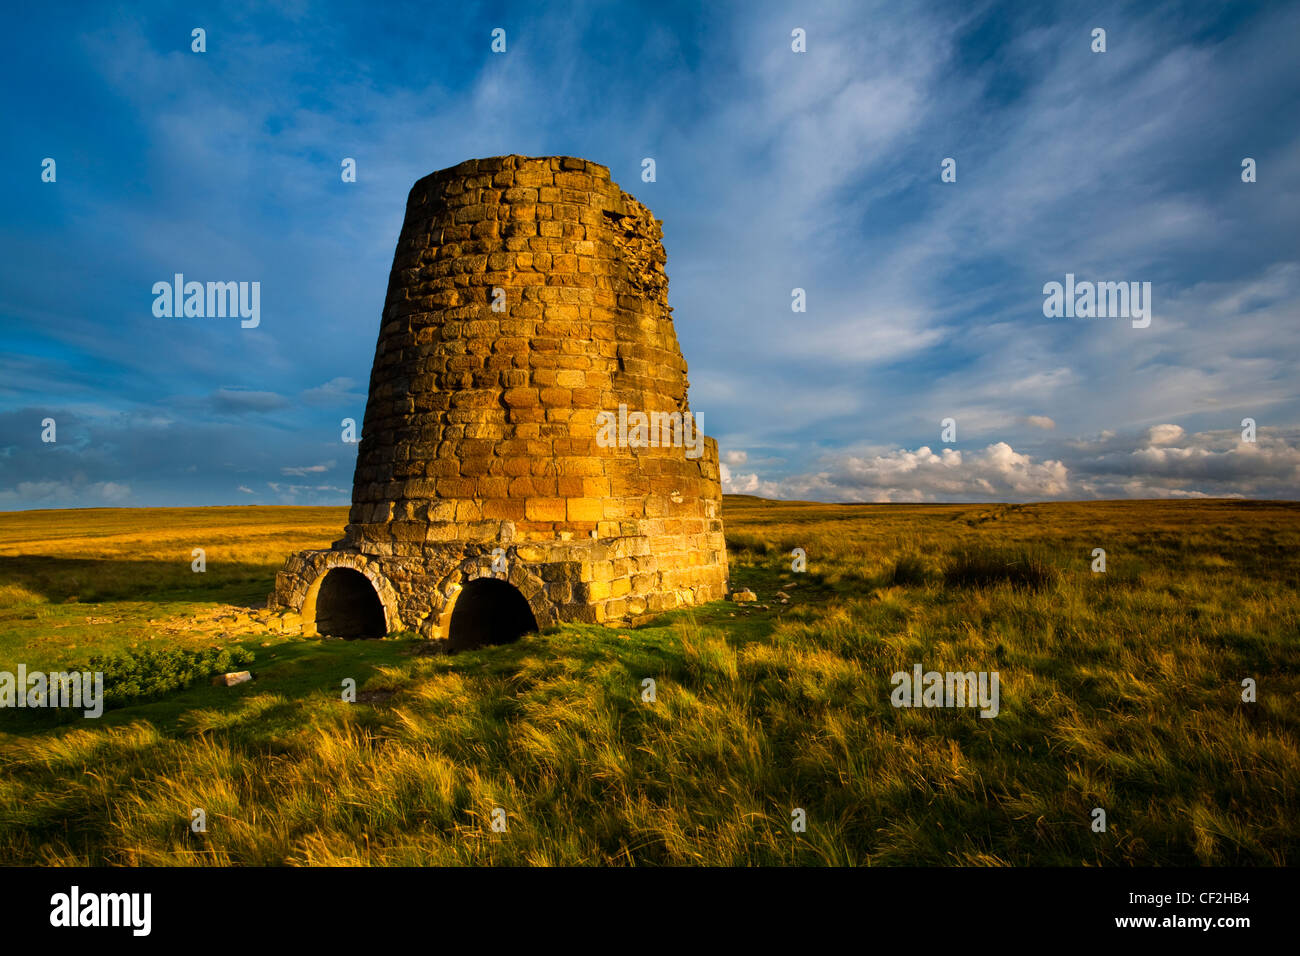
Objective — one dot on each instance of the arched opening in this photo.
(489, 611)
(347, 606)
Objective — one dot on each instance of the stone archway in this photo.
(487, 611)
(522, 578)
(343, 602)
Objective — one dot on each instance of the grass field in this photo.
(1119, 690)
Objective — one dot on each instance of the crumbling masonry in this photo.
(527, 296)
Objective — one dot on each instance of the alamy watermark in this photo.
(923, 688)
(195, 300)
(82, 690)
(653, 430)
(75, 908)
(1098, 300)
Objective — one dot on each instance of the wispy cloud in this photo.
(776, 171)
(335, 392)
(238, 400)
(308, 470)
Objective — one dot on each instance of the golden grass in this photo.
(1119, 691)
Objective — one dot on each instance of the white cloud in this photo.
(66, 494)
(1164, 434)
(337, 391)
(1164, 462)
(308, 494)
(308, 470)
(112, 491)
(996, 472)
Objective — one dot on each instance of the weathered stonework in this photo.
(480, 429)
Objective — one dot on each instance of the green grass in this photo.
(1119, 690)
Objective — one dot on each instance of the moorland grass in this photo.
(987, 566)
(1119, 690)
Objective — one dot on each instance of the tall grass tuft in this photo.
(988, 566)
(909, 570)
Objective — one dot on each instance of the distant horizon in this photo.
(780, 501)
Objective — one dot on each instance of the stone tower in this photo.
(528, 455)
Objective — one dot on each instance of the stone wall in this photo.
(481, 427)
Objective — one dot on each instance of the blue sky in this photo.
(775, 170)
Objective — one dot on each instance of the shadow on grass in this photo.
(296, 670)
(1026, 568)
(90, 580)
